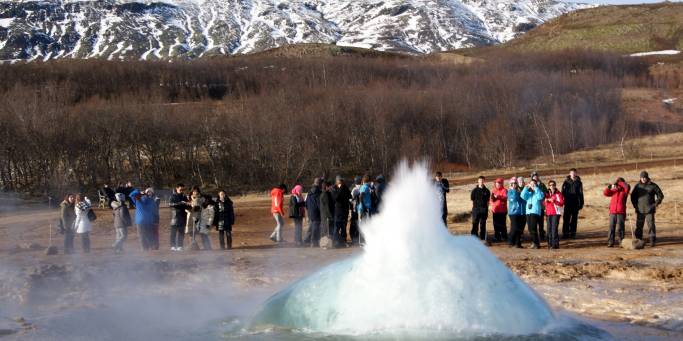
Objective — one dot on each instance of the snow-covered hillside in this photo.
(193, 28)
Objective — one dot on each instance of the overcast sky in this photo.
(620, 1)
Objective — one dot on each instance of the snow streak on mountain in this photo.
(192, 28)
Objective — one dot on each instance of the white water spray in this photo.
(413, 276)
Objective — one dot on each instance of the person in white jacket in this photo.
(82, 223)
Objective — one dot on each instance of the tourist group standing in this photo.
(530, 205)
(331, 208)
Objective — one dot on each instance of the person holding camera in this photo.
(618, 192)
(534, 197)
(646, 197)
(516, 210)
(480, 197)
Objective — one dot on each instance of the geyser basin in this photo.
(413, 276)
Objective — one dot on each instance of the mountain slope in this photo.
(624, 29)
(188, 29)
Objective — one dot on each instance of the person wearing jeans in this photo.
(618, 194)
(646, 197)
(277, 209)
(572, 190)
(534, 197)
(516, 210)
(224, 219)
(122, 220)
(82, 223)
(179, 205)
(297, 212)
(554, 201)
(480, 197)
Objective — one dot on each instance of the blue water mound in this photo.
(412, 277)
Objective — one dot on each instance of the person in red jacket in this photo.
(499, 209)
(554, 201)
(618, 192)
(277, 208)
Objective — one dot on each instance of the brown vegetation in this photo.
(254, 121)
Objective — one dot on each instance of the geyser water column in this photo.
(412, 276)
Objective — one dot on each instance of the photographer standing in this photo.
(480, 197)
(572, 190)
(618, 191)
(645, 198)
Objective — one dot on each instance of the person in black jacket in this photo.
(224, 218)
(342, 204)
(313, 209)
(480, 208)
(178, 203)
(572, 191)
(645, 198)
(297, 212)
(326, 210)
(443, 187)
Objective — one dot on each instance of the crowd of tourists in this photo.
(533, 204)
(332, 209)
(194, 214)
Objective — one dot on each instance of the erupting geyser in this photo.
(413, 276)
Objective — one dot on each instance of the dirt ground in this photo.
(641, 288)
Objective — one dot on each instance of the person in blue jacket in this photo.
(145, 215)
(516, 213)
(534, 196)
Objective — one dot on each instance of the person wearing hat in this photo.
(480, 197)
(342, 204)
(572, 190)
(544, 189)
(145, 211)
(499, 210)
(516, 213)
(646, 197)
(443, 187)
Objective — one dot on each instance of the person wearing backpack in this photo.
(122, 221)
(83, 221)
(67, 219)
(297, 212)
